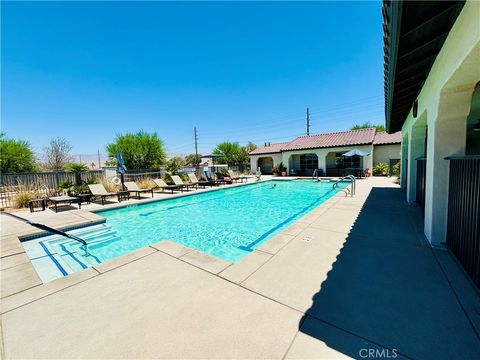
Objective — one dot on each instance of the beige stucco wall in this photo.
(277, 157)
(288, 160)
(384, 153)
(443, 104)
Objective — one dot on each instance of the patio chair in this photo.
(208, 176)
(223, 179)
(236, 177)
(163, 185)
(203, 183)
(99, 191)
(133, 187)
(178, 181)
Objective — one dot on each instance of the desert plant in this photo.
(92, 180)
(16, 156)
(145, 183)
(396, 169)
(65, 185)
(21, 199)
(140, 150)
(108, 185)
(174, 164)
(381, 169)
(77, 169)
(168, 179)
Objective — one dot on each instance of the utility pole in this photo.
(98, 153)
(196, 150)
(308, 121)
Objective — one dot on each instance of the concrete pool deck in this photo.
(353, 275)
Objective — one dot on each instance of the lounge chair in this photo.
(133, 187)
(194, 181)
(223, 179)
(99, 191)
(236, 177)
(163, 185)
(208, 175)
(178, 181)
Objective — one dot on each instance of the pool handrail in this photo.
(350, 178)
(47, 228)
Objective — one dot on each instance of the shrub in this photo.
(168, 179)
(278, 169)
(65, 185)
(146, 183)
(184, 177)
(108, 185)
(224, 172)
(21, 199)
(396, 169)
(381, 169)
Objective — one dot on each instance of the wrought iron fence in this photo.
(463, 226)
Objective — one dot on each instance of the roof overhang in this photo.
(413, 34)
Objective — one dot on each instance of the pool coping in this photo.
(234, 272)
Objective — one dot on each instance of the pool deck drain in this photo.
(362, 281)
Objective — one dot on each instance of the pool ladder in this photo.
(316, 175)
(347, 191)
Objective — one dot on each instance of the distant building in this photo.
(304, 154)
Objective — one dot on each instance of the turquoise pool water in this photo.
(227, 223)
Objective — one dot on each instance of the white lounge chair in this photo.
(133, 187)
(99, 191)
(163, 185)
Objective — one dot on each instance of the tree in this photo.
(77, 169)
(57, 154)
(243, 151)
(230, 151)
(380, 128)
(16, 156)
(140, 150)
(191, 161)
(174, 164)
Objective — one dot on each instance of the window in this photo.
(308, 162)
(353, 162)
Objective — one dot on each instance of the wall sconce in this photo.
(415, 108)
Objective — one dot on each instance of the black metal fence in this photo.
(463, 226)
(420, 183)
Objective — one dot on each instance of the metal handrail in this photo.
(348, 177)
(315, 175)
(48, 228)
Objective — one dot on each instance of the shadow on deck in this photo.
(386, 287)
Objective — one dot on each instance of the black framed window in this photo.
(308, 162)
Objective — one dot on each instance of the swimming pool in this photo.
(227, 223)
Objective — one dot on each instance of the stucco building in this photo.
(304, 154)
(432, 94)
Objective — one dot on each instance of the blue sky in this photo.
(237, 71)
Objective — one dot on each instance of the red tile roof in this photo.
(354, 137)
(273, 148)
(343, 138)
(382, 138)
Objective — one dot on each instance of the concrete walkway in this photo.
(354, 277)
